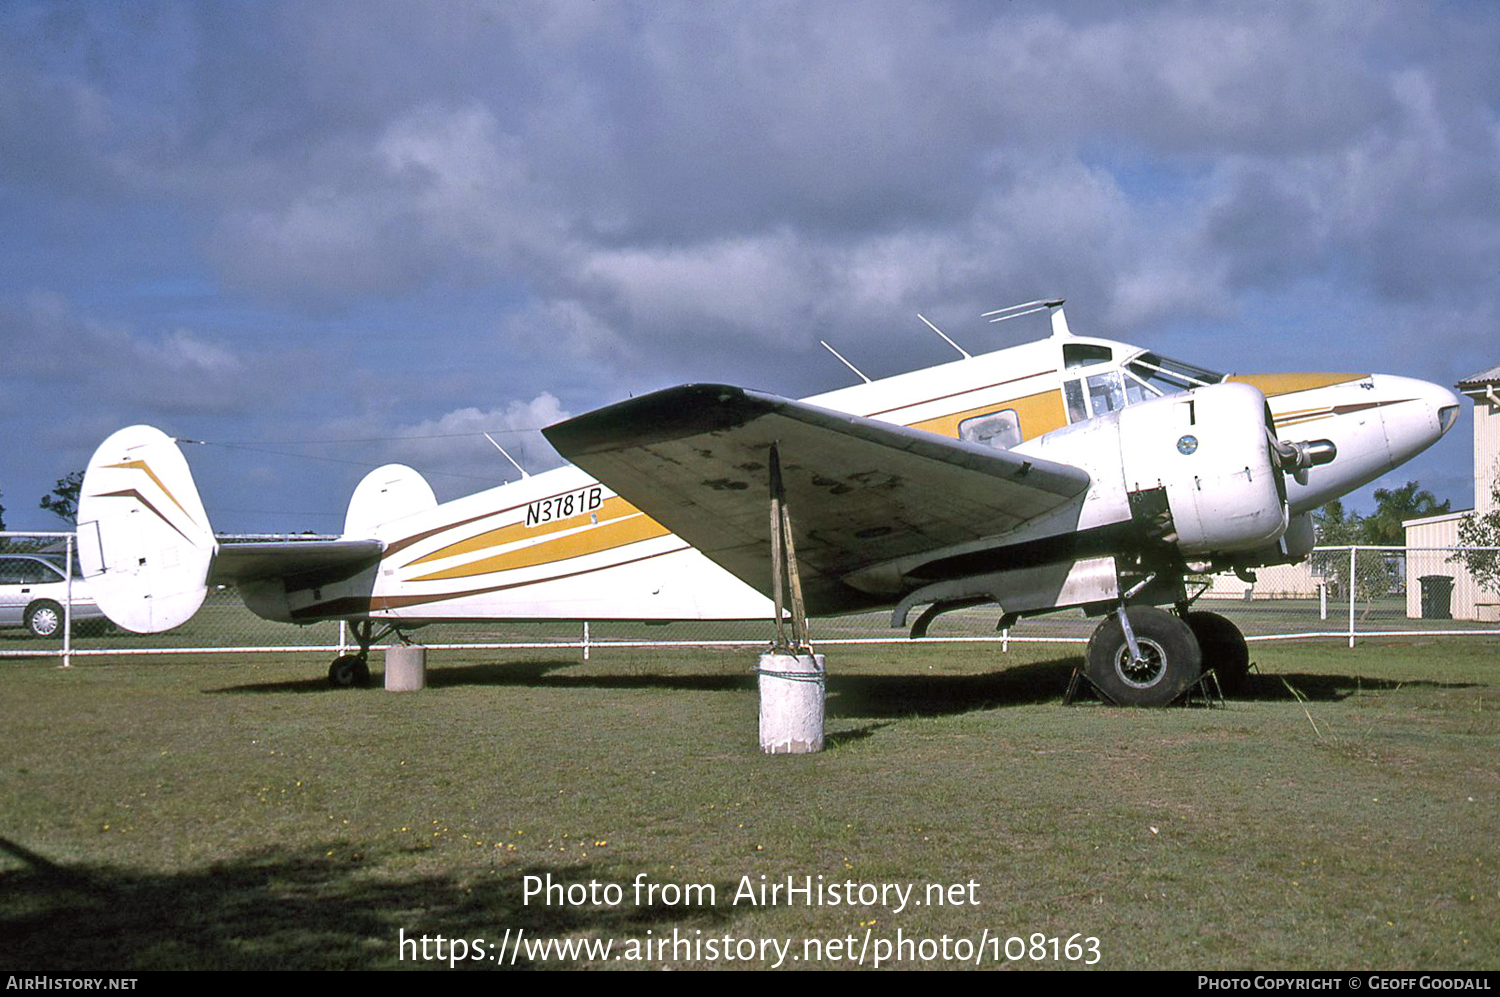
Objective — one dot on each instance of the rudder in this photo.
(144, 541)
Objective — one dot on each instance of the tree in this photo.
(1483, 531)
(1337, 528)
(1382, 528)
(63, 500)
(1393, 507)
(1377, 574)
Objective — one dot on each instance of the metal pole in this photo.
(67, 644)
(1352, 587)
(777, 568)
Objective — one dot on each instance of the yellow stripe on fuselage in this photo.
(611, 509)
(1272, 385)
(1038, 414)
(607, 535)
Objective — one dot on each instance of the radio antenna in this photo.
(945, 337)
(507, 456)
(846, 363)
(1059, 322)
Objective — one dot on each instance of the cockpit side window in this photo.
(1073, 394)
(1106, 393)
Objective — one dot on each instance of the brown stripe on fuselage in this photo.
(955, 394)
(611, 509)
(355, 606)
(591, 540)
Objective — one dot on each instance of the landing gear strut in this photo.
(354, 669)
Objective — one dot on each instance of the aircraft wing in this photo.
(860, 492)
(310, 561)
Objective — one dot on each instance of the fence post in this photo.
(67, 644)
(1353, 585)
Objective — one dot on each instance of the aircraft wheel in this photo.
(44, 618)
(1224, 649)
(349, 670)
(1170, 658)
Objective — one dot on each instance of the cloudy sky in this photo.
(322, 236)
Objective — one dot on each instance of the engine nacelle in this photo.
(1200, 471)
(1293, 547)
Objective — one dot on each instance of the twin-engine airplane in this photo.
(1069, 472)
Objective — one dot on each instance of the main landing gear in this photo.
(1144, 656)
(354, 669)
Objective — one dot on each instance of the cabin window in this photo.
(1001, 430)
(1086, 354)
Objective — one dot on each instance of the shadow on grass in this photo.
(892, 696)
(849, 696)
(529, 674)
(315, 908)
(855, 696)
(1329, 688)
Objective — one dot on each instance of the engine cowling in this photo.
(1206, 460)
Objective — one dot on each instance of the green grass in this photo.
(231, 812)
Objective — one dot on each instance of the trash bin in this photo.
(1437, 597)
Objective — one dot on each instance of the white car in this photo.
(33, 590)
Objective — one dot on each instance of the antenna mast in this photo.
(945, 337)
(1054, 305)
(507, 456)
(846, 363)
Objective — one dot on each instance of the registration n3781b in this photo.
(565, 506)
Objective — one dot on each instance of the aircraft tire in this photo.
(1224, 649)
(1172, 659)
(349, 670)
(44, 618)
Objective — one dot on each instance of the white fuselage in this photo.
(560, 545)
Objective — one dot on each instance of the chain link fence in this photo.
(1345, 593)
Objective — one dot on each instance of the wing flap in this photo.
(860, 492)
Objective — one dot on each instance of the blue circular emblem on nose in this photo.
(1187, 445)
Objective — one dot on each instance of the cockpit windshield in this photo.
(1159, 375)
(1139, 379)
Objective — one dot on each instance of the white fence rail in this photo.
(1340, 593)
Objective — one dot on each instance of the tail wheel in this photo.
(349, 670)
(1224, 649)
(44, 618)
(1170, 660)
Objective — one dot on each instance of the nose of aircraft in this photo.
(1415, 414)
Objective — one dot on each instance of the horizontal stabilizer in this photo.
(304, 563)
(860, 492)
